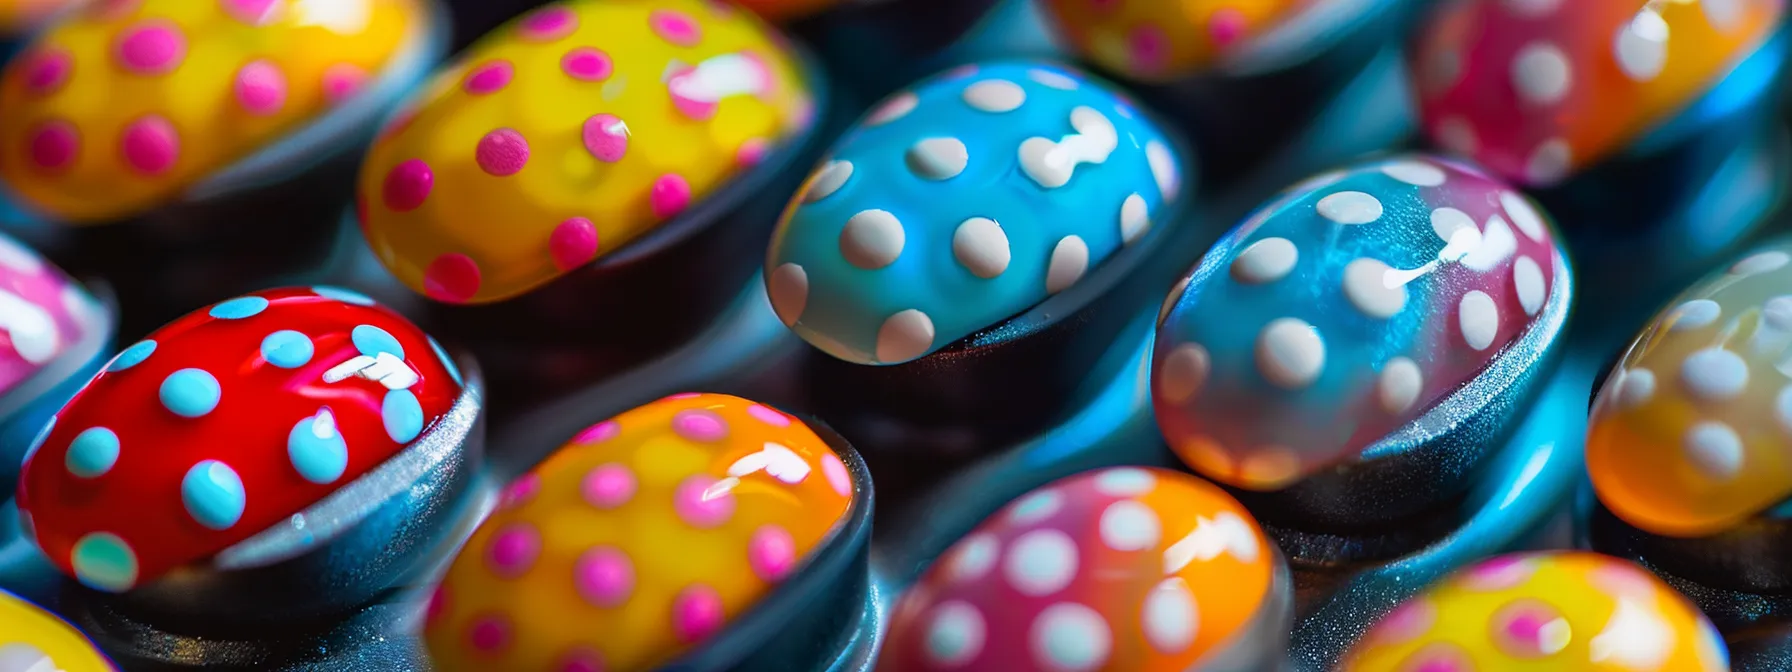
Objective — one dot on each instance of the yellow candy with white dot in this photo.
(32, 639)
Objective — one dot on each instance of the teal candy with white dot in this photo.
(240, 308)
(317, 449)
(402, 415)
(343, 295)
(102, 561)
(190, 393)
(132, 356)
(92, 453)
(372, 341)
(213, 494)
(287, 349)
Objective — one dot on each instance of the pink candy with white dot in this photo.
(43, 314)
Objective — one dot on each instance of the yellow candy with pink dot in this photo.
(32, 639)
(124, 107)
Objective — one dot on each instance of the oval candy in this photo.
(34, 640)
(1158, 41)
(44, 314)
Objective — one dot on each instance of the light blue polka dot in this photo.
(213, 494)
(317, 449)
(239, 308)
(372, 341)
(448, 362)
(92, 453)
(343, 295)
(190, 393)
(103, 561)
(132, 356)
(287, 349)
(42, 436)
(403, 415)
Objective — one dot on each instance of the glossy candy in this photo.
(1159, 40)
(224, 423)
(123, 108)
(1552, 611)
(579, 127)
(43, 315)
(1116, 569)
(1343, 310)
(962, 202)
(641, 538)
(34, 640)
(1537, 89)
(1693, 430)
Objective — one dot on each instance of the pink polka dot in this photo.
(489, 634)
(696, 613)
(152, 47)
(261, 88)
(342, 81)
(582, 659)
(598, 433)
(520, 491)
(671, 195)
(606, 137)
(252, 12)
(1150, 48)
(771, 552)
(688, 97)
(548, 23)
(768, 416)
(752, 152)
(502, 152)
(150, 145)
(408, 185)
(1226, 25)
(608, 486)
(587, 64)
(700, 425)
(1530, 629)
(1406, 623)
(604, 577)
(835, 471)
(676, 27)
(54, 144)
(438, 604)
(1624, 579)
(47, 70)
(489, 77)
(452, 277)
(513, 551)
(702, 505)
(573, 243)
(1501, 573)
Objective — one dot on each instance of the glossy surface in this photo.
(1568, 611)
(642, 537)
(1693, 430)
(1537, 89)
(962, 202)
(223, 423)
(1115, 569)
(1346, 308)
(43, 314)
(34, 640)
(581, 126)
(1156, 40)
(124, 107)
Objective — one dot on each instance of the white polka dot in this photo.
(18, 257)
(981, 247)
(904, 336)
(828, 180)
(1445, 222)
(1479, 319)
(1124, 482)
(1498, 244)
(1070, 259)
(973, 557)
(1635, 388)
(1399, 385)
(1040, 562)
(1069, 637)
(1171, 298)
(1549, 162)
(789, 290)
(1127, 525)
(1694, 314)
(1724, 14)
(1760, 263)
(1714, 374)
(895, 108)
(1135, 218)
(1532, 9)
(872, 239)
(1414, 172)
(1541, 73)
(1714, 449)
(1641, 46)
(1527, 279)
(1523, 214)
(1372, 289)
(1457, 135)
(31, 328)
(1290, 353)
(1350, 207)
(1170, 618)
(1782, 409)
(1052, 79)
(1184, 371)
(956, 635)
(995, 95)
(1035, 507)
(23, 657)
(1163, 169)
(938, 158)
(1266, 260)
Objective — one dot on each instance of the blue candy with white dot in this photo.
(317, 449)
(343, 295)
(102, 561)
(963, 202)
(402, 415)
(239, 308)
(287, 349)
(92, 453)
(190, 393)
(372, 341)
(213, 494)
(132, 356)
